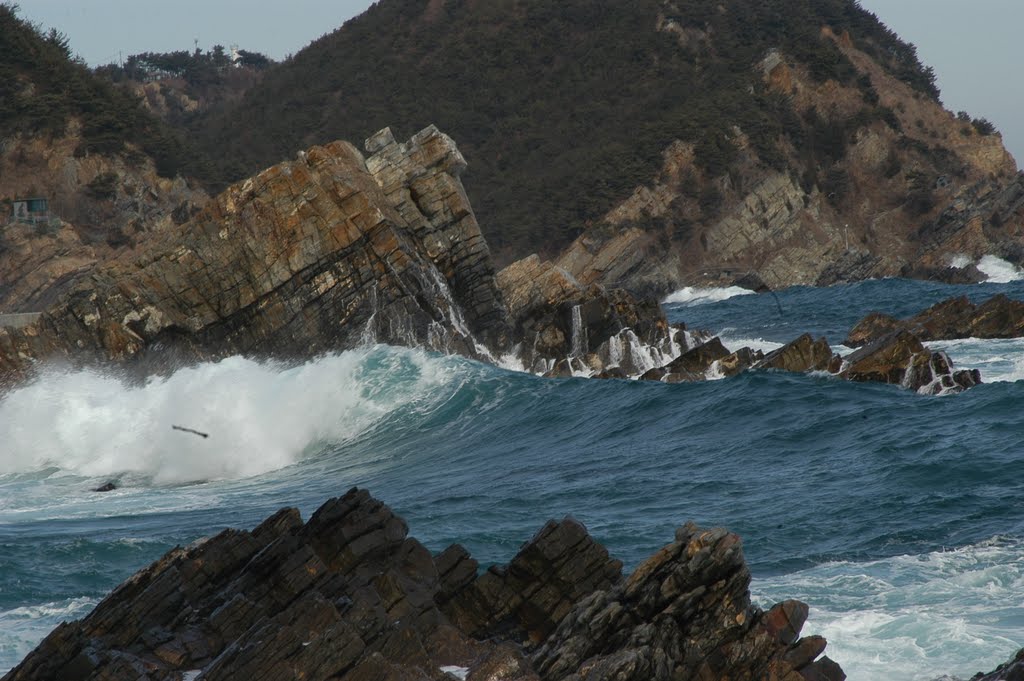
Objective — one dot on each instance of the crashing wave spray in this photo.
(259, 416)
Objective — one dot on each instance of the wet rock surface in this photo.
(997, 317)
(900, 358)
(349, 595)
(802, 355)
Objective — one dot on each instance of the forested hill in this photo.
(562, 108)
(43, 90)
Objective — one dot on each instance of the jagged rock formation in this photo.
(901, 359)
(349, 596)
(332, 250)
(587, 328)
(997, 317)
(312, 255)
(898, 358)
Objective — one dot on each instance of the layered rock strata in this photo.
(587, 327)
(349, 596)
(316, 254)
(997, 317)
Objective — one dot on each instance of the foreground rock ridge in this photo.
(348, 595)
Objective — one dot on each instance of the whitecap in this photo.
(998, 359)
(692, 295)
(260, 416)
(913, 616)
(999, 271)
(733, 344)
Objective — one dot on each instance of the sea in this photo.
(898, 517)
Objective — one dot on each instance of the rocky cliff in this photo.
(349, 595)
(666, 143)
(892, 185)
(335, 250)
(100, 205)
(316, 254)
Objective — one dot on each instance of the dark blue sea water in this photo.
(899, 518)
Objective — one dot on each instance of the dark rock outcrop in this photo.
(802, 355)
(694, 364)
(349, 596)
(997, 317)
(587, 327)
(902, 359)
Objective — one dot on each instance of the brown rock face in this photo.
(872, 327)
(900, 358)
(557, 317)
(885, 360)
(997, 317)
(693, 364)
(311, 255)
(802, 355)
(349, 596)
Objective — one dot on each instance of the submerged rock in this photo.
(349, 596)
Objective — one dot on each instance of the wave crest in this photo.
(260, 416)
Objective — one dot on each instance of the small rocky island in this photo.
(348, 595)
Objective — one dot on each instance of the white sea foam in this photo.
(259, 416)
(691, 295)
(914, 616)
(735, 343)
(21, 629)
(998, 270)
(961, 260)
(998, 359)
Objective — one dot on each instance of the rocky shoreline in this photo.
(336, 249)
(349, 595)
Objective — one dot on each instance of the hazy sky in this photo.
(972, 44)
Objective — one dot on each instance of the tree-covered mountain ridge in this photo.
(564, 109)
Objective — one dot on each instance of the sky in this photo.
(973, 45)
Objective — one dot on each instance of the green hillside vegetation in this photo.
(42, 88)
(561, 108)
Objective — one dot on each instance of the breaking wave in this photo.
(691, 295)
(258, 416)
